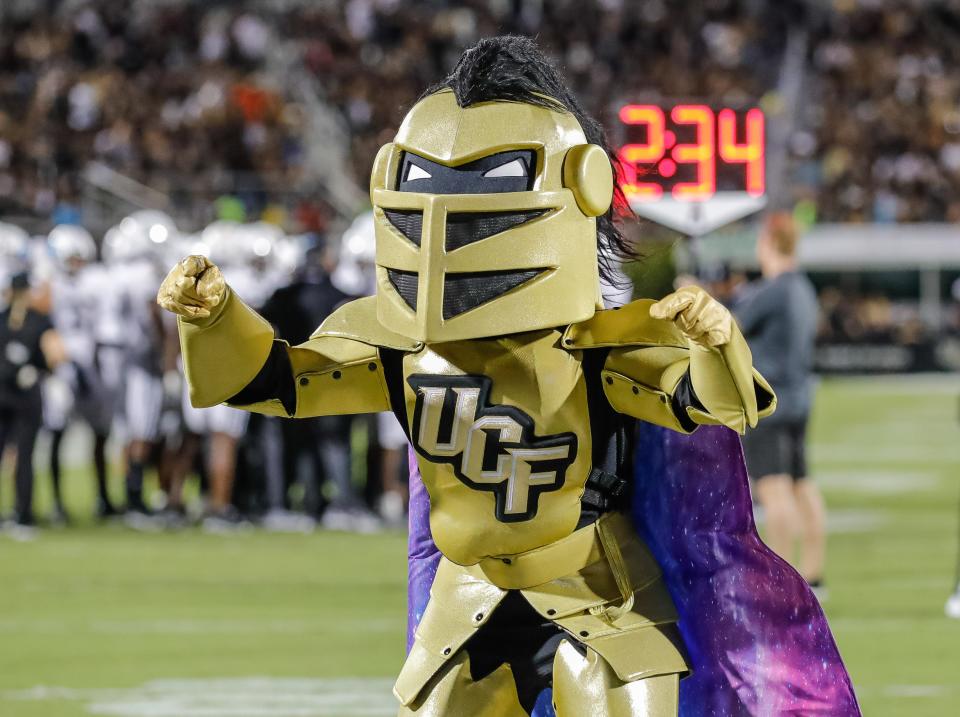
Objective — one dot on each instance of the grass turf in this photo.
(93, 609)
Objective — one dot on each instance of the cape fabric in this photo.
(758, 640)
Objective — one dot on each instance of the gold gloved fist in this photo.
(698, 315)
(193, 288)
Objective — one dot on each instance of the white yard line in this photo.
(883, 452)
(394, 624)
(910, 691)
(241, 697)
(921, 691)
(229, 627)
(878, 482)
(934, 619)
(938, 384)
(843, 521)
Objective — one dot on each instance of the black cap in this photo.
(20, 281)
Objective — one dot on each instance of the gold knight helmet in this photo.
(486, 207)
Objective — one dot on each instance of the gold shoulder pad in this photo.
(357, 320)
(629, 325)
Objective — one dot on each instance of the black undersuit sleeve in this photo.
(683, 396)
(275, 380)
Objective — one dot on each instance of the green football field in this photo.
(104, 621)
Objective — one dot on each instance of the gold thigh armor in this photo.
(600, 585)
(582, 685)
(452, 692)
(587, 685)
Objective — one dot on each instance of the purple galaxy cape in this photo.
(758, 640)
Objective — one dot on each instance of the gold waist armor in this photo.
(600, 585)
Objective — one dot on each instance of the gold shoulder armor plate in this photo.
(629, 325)
(357, 320)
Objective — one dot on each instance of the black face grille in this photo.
(408, 222)
(468, 227)
(405, 282)
(462, 292)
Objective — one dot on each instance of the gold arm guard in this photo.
(336, 376)
(648, 358)
(338, 371)
(332, 377)
(730, 389)
(223, 352)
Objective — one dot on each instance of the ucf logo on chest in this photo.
(491, 448)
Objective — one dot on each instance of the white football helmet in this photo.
(123, 243)
(260, 243)
(356, 266)
(223, 241)
(72, 246)
(157, 227)
(14, 244)
(291, 255)
(144, 234)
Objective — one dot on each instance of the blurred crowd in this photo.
(883, 137)
(176, 96)
(197, 99)
(873, 318)
(82, 340)
(189, 97)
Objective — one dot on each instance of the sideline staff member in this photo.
(778, 317)
(29, 346)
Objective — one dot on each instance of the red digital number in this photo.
(647, 167)
(648, 153)
(702, 152)
(750, 153)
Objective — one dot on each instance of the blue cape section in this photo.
(758, 640)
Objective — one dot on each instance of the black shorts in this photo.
(777, 449)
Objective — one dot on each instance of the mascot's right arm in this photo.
(230, 354)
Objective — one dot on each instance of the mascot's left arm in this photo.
(679, 362)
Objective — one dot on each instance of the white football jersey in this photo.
(73, 312)
(139, 281)
(109, 323)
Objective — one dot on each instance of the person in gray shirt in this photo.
(778, 316)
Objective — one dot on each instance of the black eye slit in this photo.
(405, 282)
(462, 292)
(408, 222)
(468, 227)
(481, 176)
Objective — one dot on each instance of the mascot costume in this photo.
(554, 579)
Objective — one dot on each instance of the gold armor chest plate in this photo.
(502, 434)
